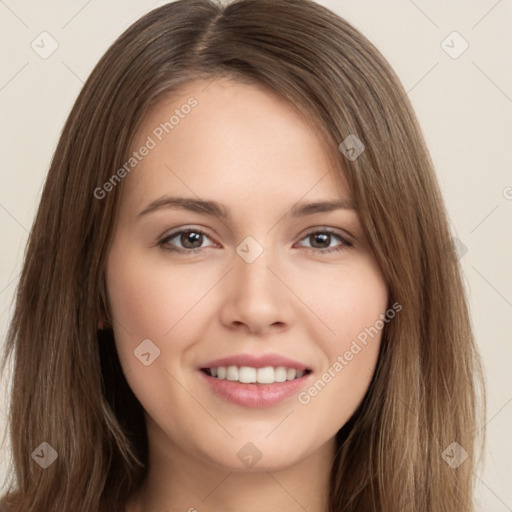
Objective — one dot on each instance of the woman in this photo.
(198, 347)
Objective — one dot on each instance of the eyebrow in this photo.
(214, 209)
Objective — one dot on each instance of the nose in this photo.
(256, 297)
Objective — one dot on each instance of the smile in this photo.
(255, 380)
(251, 375)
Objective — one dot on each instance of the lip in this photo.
(255, 395)
(256, 361)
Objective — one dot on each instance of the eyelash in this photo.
(163, 243)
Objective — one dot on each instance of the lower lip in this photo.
(255, 395)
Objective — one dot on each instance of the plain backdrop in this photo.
(463, 102)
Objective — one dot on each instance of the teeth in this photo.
(291, 373)
(249, 375)
(232, 373)
(280, 374)
(265, 375)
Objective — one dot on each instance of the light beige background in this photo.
(464, 105)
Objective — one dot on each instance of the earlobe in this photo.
(103, 325)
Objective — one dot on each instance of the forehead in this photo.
(219, 138)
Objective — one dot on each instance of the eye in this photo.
(322, 240)
(191, 240)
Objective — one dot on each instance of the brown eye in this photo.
(191, 239)
(185, 240)
(321, 241)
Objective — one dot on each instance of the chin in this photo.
(254, 456)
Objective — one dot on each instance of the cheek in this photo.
(148, 291)
(138, 300)
(351, 305)
(153, 306)
(359, 325)
(346, 301)
(148, 301)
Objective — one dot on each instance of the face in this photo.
(252, 285)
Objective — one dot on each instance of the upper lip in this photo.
(256, 361)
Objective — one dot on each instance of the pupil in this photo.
(189, 239)
(322, 236)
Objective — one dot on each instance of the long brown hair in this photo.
(68, 389)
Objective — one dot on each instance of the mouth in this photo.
(256, 376)
(255, 380)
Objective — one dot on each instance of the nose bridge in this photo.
(257, 298)
(253, 259)
(251, 249)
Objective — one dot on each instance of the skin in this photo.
(245, 147)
